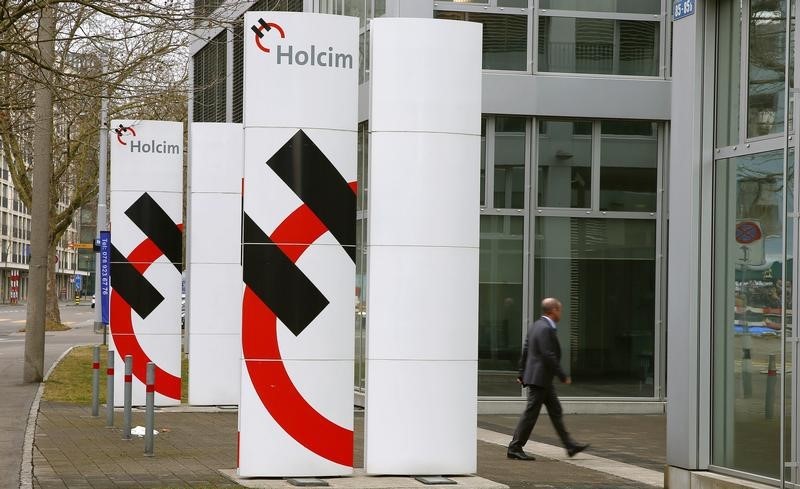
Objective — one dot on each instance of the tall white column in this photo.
(214, 274)
(146, 254)
(423, 246)
(298, 253)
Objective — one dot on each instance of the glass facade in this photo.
(753, 342)
(601, 46)
(750, 275)
(599, 268)
(607, 37)
(592, 221)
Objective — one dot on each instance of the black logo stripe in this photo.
(132, 286)
(305, 169)
(277, 281)
(158, 226)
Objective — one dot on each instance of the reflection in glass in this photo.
(628, 166)
(603, 271)
(500, 305)
(505, 38)
(602, 46)
(748, 286)
(619, 6)
(509, 162)
(766, 65)
(360, 353)
(362, 166)
(729, 63)
(565, 164)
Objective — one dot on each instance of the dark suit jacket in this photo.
(541, 356)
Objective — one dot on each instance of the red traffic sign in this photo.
(747, 232)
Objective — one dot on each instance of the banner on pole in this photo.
(105, 275)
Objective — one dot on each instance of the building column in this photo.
(689, 270)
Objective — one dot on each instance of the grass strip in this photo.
(71, 381)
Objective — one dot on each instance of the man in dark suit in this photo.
(540, 362)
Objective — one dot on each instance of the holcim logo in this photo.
(144, 147)
(291, 55)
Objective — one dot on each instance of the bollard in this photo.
(747, 376)
(96, 381)
(126, 413)
(769, 397)
(149, 422)
(110, 390)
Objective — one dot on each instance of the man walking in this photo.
(540, 362)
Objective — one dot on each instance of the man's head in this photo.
(552, 308)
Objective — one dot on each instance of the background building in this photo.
(15, 235)
(575, 99)
(610, 133)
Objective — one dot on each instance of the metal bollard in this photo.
(149, 422)
(126, 413)
(96, 381)
(110, 390)
(772, 380)
(747, 376)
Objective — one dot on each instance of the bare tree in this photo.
(134, 52)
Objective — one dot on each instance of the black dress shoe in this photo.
(519, 455)
(576, 449)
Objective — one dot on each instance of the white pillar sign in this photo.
(423, 247)
(298, 221)
(214, 274)
(146, 254)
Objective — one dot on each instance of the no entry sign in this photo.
(747, 232)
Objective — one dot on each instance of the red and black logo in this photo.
(276, 289)
(133, 293)
(122, 131)
(265, 26)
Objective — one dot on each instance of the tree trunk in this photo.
(53, 314)
(33, 367)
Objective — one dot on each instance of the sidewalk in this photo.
(73, 450)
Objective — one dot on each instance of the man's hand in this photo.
(568, 380)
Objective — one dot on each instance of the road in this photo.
(16, 397)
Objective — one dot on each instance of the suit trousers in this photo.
(536, 397)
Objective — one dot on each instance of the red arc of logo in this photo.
(121, 130)
(263, 25)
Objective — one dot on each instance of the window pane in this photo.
(621, 6)
(602, 46)
(598, 268)
(483, 161)
(728, 72)
(500, 305)
(748, 282)
(512, 3)
(628, 166)
(505, 38)
(509, 162)
(565, 164)
(766, 64)
(380, 8)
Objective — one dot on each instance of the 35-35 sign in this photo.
(683, 8)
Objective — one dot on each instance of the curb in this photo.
(26, 467)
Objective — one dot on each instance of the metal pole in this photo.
(110, 390)
(149, 409)
(96, 381)
(126, 413)
(769, 397)
(101, 213)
